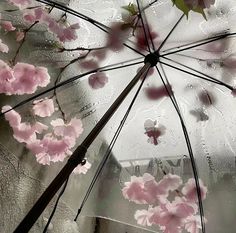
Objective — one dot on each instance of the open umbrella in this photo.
(179, 112)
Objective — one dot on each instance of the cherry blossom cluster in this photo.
(40, 15)
(172, 210)
(22, 79)
(48, 144)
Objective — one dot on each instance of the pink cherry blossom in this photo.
(171, 216)
(134, 190)
(27, 78)
(117, 36)
(12, 116)
(89, 64)
(20, 36)
(207, 98)
(190, 190)
(7, 26)
(63, 33)
(73, 129)
(43, 107)
(98, 80)
(58, 150)
(141, 39)
(142, 217)
(169, 183)
(193, 224)
(153, 132)
(3, 47)
(43, 158)
(20, 3)
(230, 62)
(155, 93)
(24, 133)
(6, 78)
(82, 169)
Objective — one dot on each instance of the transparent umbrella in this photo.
(168, 77)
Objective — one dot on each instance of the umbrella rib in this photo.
(55, 206)
(148, 29)
(169, 34)
(109, 149)
(144, 30)
(189, 147)
(97, 24)
(209, 78)
(200, 44)
(148, 5)
(68, 81)
(202, 40)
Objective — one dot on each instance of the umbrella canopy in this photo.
(64, 63)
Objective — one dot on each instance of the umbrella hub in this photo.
(152, 58)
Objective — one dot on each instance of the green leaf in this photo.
(182, 6)
(131, 8)
(185, 9)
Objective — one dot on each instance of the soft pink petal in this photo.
(3, 47)
(12, 116)
(44, 108)
(98, 80)
(7, 26)
(82, 169)
(43, 158)
(190, 190)
(142, 217)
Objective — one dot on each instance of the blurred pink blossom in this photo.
(3, 47)
(98, 80)
(82, 169)
(7, 26)
(190, 190)
(43, 107)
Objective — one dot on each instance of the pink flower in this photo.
(142, 217)
(82, 169)
(190, 190)
(12, 116)
(20, 3)
(152, 131)
(58, 150)
(20, 36)
(117, 36)
(134, 190)
(63, 33)
(3, 47)
(230, 62)
(43, 107)
(98, 80)
(7, 26)
(89, 64)
(168, 183)
(193, 224)
(24, 133)
(141, 40)
(43, 159)
(6, 78)
(171, 216)
(154, 93)
(28, 78)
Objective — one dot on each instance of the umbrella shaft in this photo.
(75, 159)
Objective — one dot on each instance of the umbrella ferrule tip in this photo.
(152, 58)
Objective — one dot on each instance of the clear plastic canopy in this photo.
(197, 63)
